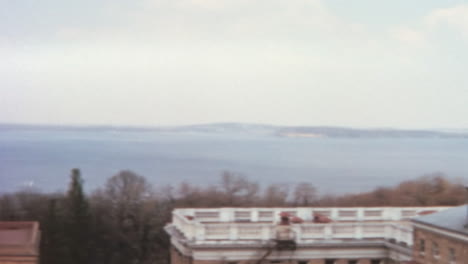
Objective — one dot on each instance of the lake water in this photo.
(44, 158)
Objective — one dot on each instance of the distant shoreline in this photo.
(302, 135)
(260, 129)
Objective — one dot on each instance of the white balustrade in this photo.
(312, 231)
(218, 231)
(306, 213)
(243, 224)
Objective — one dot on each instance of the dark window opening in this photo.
(452, 255)
(422, 245)
(435, 249)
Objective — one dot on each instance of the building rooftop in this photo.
(453, 219)
(12, 233)
(228, 226)
(19, 238)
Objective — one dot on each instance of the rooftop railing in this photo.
(306, 213)
(248, 225)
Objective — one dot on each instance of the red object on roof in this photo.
(284, 214)
(321, 219)
(427, 212)
(296, 220)
(189, 217)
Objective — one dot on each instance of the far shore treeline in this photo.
(122, 222)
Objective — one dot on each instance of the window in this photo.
(376, 261)
(435, 249)
(330, 261)
(422, 246)
(352, 262)
(452, 255)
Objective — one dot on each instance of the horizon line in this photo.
(69, 125)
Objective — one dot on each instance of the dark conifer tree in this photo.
(77, 220)
(54, 249)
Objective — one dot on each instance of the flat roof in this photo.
(453, 219)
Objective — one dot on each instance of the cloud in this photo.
(454, 17)
(448, 22)
(408, 36)
(289, 30)
(229, 20)
(183, 31)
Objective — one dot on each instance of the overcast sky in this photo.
(361, 63)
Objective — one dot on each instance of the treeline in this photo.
(123, 221)
(430, 190)
(119, 223)
(235, 190)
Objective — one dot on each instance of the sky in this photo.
(360, 63)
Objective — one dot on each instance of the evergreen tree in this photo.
(53, 241)
(77, 220)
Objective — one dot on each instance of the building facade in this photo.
(442, 237)
(375, 235)
(19, 242)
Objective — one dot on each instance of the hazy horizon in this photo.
(72, 125)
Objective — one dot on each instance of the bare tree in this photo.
(304, 194)
(276, 195)
(237, 189)
(132, 216)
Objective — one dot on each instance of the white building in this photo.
(371, 235)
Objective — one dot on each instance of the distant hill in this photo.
(365, 133)
(260, 129)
